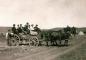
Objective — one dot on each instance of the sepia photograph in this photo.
(42, 29)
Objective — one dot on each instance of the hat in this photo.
(13, 24)
(27, 23)
(36, 25)
(32, 25)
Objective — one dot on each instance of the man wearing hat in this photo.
(37, 29)
(14, 29)
(27, 28)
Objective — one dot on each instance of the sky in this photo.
(46, 13)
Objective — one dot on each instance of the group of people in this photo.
(24, 29)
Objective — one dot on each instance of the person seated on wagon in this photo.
(14, 30)
(32, 32)
(37, 29)
(32, 27)
(17, 26)
(27, 25)
(20, 29)
(17, 29)
(26, 28)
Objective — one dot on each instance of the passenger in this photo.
(17, 28)
(27, 25)
(32, 27)
(37, 29)
(14, 30)
(32, 31)
(27, 28)
(24, 28)
(20, 29)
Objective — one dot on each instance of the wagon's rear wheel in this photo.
(33, 41)
(14, 41)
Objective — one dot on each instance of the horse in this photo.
(54, 36)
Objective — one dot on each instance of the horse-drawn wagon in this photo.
(21, 38)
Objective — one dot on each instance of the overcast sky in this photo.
(45, 13)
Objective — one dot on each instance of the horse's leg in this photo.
(66, 42)
(55, 42)
(60, 42)
(51, 42)
(47, 43)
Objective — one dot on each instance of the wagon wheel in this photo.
(15, 40)
(36, 41)
(33, 41)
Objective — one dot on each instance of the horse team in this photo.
(57, 37)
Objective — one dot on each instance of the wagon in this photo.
(23, 39)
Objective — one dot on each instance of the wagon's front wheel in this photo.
(33, 41)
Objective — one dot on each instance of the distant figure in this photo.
(14, 30)
(73, 30)
(67, 29)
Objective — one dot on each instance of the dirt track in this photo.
(40, 53)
